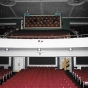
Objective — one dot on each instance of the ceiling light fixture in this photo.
(27, 10)
(76, 2)
(7, 2)
(70, 49)
(57, 10)
(6, 49)
(38, 49)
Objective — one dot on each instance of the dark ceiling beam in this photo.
(78, 23)
(8, 23)
(12, 18)
(62, 17)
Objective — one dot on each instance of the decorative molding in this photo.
(76, 2)
(7, 2)
(41, 0)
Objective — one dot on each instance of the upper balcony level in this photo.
(42, 34)
(43, 43)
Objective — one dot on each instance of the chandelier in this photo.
(76, 2)
(7, 2)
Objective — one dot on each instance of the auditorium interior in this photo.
(43, 43)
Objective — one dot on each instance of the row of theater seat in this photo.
(40, 34)
(81, 75)
(39, 78)
(38, 37)
(4, 73)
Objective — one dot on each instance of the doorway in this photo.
(18, 63)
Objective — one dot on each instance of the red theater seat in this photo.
(40, 34)
(39, 78)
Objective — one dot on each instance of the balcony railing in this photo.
(44, 37)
